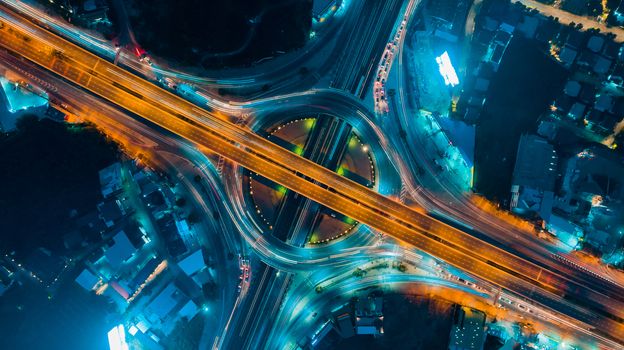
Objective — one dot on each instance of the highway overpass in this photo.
(215, 132)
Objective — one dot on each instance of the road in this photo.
(164, 152)
(281, 72)
(566, 17)
(214, 131)
(364, 43)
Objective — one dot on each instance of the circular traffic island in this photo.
(328, 141)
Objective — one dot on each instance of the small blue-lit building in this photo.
(195, 267)
(461, 137)
(164, 303)
(110, 212)
(87, 280)
(120, 251)
(192, 263)
(168, 306)
(566, 231)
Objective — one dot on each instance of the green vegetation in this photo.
(48, 171)
(186, 334)
(520, 92)
(410, 322)
(220, 33)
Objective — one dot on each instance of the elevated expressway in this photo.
(602, 313)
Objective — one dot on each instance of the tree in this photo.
(193, 218)
(402, 267)
(180, 201)
(359, 272)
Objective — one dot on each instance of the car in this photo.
(505, 300)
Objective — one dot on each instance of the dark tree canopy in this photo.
(196, 31)
(48, 169)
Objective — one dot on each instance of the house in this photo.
(164, 302)
(87, 280)
(194, 266)
(110, 180)
(577, 111)
(169, 304)
(567, 56)
(120, 251)
(602, 65)
(595, 43)
(110, 212)
(572, 88)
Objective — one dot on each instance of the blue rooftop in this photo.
(164, 302)
(121, 250)
(86, 279)
(192, 263)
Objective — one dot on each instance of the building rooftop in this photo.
(572, 88)
(192, 263)
(110, 212)
(110, 179)
(595, 43)
(87, 280)
(165, 301)
(120, 251)
(345, 324)
(188, 310)
(567, 55)
(536, 163)
(468, 331)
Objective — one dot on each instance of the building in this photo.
(467, 332)
(110, 180)
(534, 177)
(110, 212)
(345, 325)
(369, 315)
(120, 251)
(167, 306)
(163, 303)
(87, 280)
(566, 231)
(189, 310)
(195, 267)
(461, 139)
